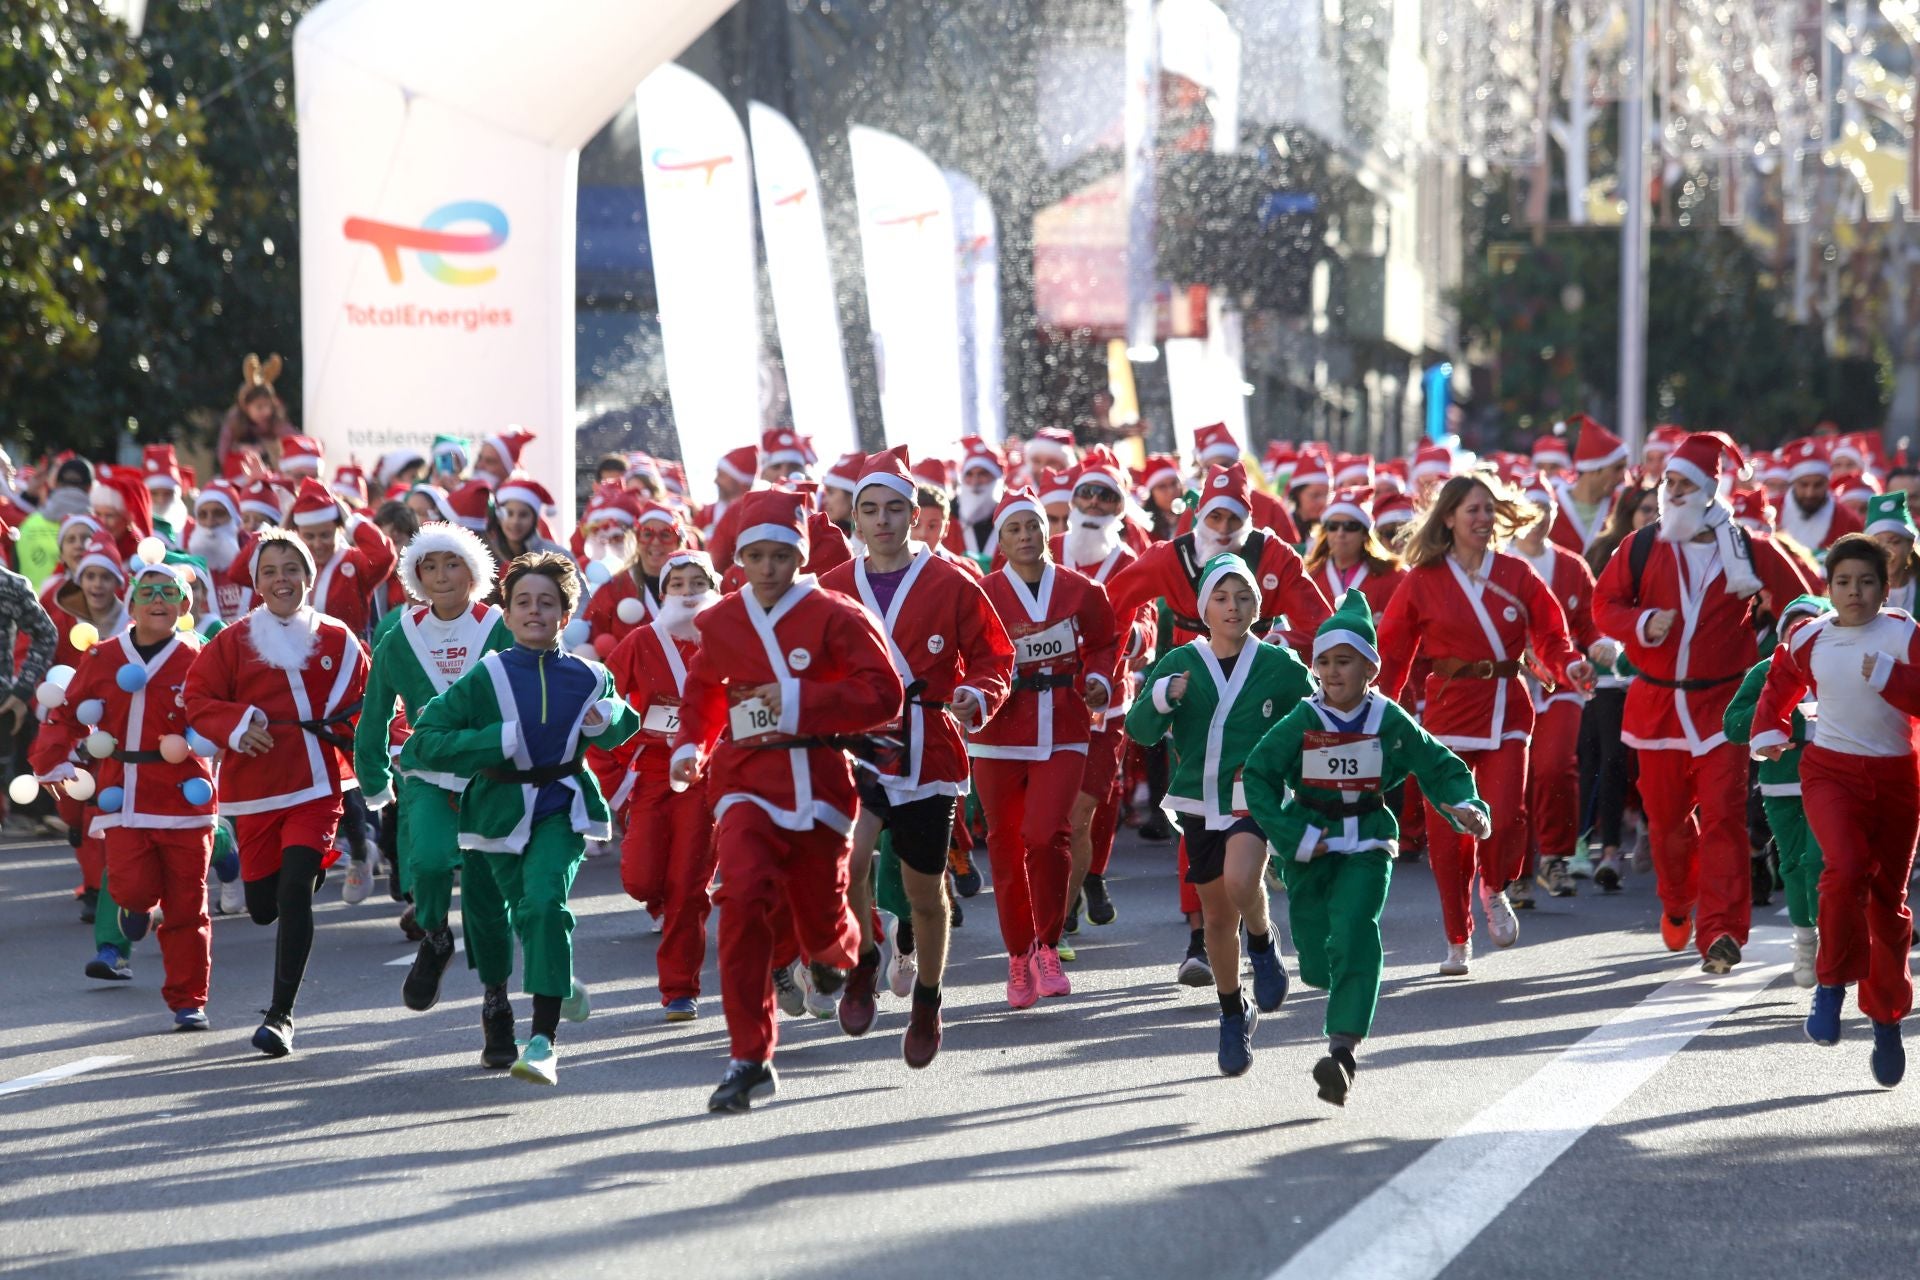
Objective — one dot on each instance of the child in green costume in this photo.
(1335, 836)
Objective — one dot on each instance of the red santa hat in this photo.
(1699, 458)
(1772, 466)
(1551, 451)
(937, 472)
(1596, 448)
(300, 456)
(1160, 467)
(223, 493)
(1806, 458)
(657, 513)
(742, 464)
(1856, 489)
(845, 472)
(611, 503)
(434, 494)
(315, 504)
(980, 454)
(1393, 509)
(1354, 504)
(785, 446)
(521, 487)
(471, 504)
(1352, 469)
(890, 470)
(81, 518)
(693, 556)
(1432, 460)
(673, 477)
(772, 515)
(509, 444)
(162, 468)
(101, 554)
(1214, 443)
(1665, 439)
(1392, 476)
(1228, 488)
(1313, 466)
(1012, 503)
(350, 485)
(1054, 487)
(1862, 448)
(1279, 460)
(240, 465)
(125, 489)
(1754, 510)
(465, 543)
(1051, 443)
(1100, 467)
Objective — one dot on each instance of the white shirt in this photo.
(1854, 719)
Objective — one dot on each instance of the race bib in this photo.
(752, 719)
(1340, 761)
(661, 719)
(1057, 642)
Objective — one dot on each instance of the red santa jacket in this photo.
(826, 550)
(1567, 530)
(1137, 632)
(1438, 613)
(233, 686)
(829, 659)
(344, 585)
(603, 611)
(1269, 513)
(1823, 528)
(152, 799)
(62, 600)
(1064, 642)
(940, 630)
(650, 670)
(963, 562)
(1571, 581)
(1171, 570)
(1378, 588)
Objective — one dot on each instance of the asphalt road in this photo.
(1554, 1114)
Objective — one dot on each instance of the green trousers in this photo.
(106, 921)
(533, 886)
(1334, 904)
(1800, 859)
(430, 830)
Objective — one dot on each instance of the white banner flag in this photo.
(906, 248)
(804, 305)
(976, 251)
(1140, 121)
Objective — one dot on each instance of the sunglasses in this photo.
(1344, 526)
(1095, 493)
(148, 592)
(663, 533)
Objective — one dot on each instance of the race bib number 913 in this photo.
(1341, 761)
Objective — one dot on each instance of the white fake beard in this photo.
(1090, 539)
(285, 644)
(218, 547)
(677, 614)
(1681, 519)
(1210, 544)
(977, 504)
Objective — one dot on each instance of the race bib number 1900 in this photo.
(1340, 761)
(1056, 643)
(752, 719)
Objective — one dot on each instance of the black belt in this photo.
(1187, 622)
(1687, 686)
(1372, 802)
(885, 754)
(138, 757)
(318, 728)
(1043, 682)
(538, 776)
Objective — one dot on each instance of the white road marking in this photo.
(458, 947)
(1413, 1226)
(51, 1074)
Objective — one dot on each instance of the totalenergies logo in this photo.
(433, 241)
(908, 217)
(680, 166)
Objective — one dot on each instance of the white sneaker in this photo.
(359, 882)
(903, 968)
(233, 897)
(1501, 922)
(1580, 865)
(819, 1005)
(1806, 945)
(1457, 963)
(786, 991)
(657, 924)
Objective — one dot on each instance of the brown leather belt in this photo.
(1484, 669)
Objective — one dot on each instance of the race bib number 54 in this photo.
(1341, 761)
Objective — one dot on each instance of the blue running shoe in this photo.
(108, 965)
(135, 923)
(1236, 1039)
(1889, 1055)
(682, 1009)
(1269, 979)
(578, 1005)
(191, 1020)
(1823, 1020)
(539, 1063)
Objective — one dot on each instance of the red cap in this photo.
(784, 445)
(1226, 487)
(979, 453)
(845, 472)
(772, 515)
(890, 470)
(1597, 448)
(742, 464)
(1214, 441)
(300, 455)
(521, 487)
(162, 468)
(1012, 503)
(1551, 450)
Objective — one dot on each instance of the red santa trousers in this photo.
(264, 837)
(1102, 782)
(1553, 779)
(1501, 777)
(666, 863)
(1700, 857)
(1189, 893)
(1029, 808)
(763, 868)
(168, 870)
(1865, 812)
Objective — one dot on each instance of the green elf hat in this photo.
(1807, 607)
(1351, 624)
(1224, 565)
(451, 453)
(1887, 513)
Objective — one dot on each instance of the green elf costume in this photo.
(1800, 860)
(519, 720)
(417, 656)
(1316, 783)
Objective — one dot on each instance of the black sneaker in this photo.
(275, 1036)
(421, 990)
(1099, 901)
(1334, 1075)
(1156, 829)
(1195, 971)
(1762, 877)
(955, 916)
(496, 1021)
(1236, 1039)
(826, 978)
(744, 1082)
(1721, 956)
(1073, 913)
(410, 926)
(89, 905)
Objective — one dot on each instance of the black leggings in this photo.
(287, 896)
(1606, 767)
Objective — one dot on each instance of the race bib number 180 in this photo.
(752, 718)
(1341, 761)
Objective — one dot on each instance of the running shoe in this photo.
(657, 924)
(857, 1007)
(539, 1062)
(134, 924)
(1607, 873)
(786, 991)
(743, 1083)
(359, 882)
(496, 1023)
(233, 897)
(1761, 874)
(1067, 954)
(820, 1004)
(922, 1040)
(956, 915)
(275, 1036)
(410, 925)
(1722, 954)
(902, 968)
(966, 873)
(1501, 922)
(1156, 829)
(191, 1020)
(1194, 970)
(1073, 913)
(89, 905)
(1048, 976)
(578, 1005)
(1236, 1039)
(1459, 962)
(1676, 931)
(682, 1009)
(1806, 947)
(108, 965)
(1580, 865)
(1556, 878)
(1269, 976)
(1889, 1055)
(1520, 894)
(421, 990)
(1099, 901)
(1333, 1075)
(1642, 854)
(827, 980)
(1022, 993)
(1823, 1019)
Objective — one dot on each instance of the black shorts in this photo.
(921, 829)
(1207, 850)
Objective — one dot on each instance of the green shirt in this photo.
(1777, 777)
(399, 671)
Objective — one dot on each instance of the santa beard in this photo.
(1682, 519)
(976, 502)
(283, 643)
(677, 614)
(218, 547)
(1209, 544)
(1090, 539)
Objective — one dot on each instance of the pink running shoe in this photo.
(1047, 973)
(1021, 993)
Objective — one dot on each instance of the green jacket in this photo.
(1777, 777)
(474, 726)
(1293, 823)
(399, 671)
(1217, 722)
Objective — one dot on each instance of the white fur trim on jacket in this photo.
(463, 542)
